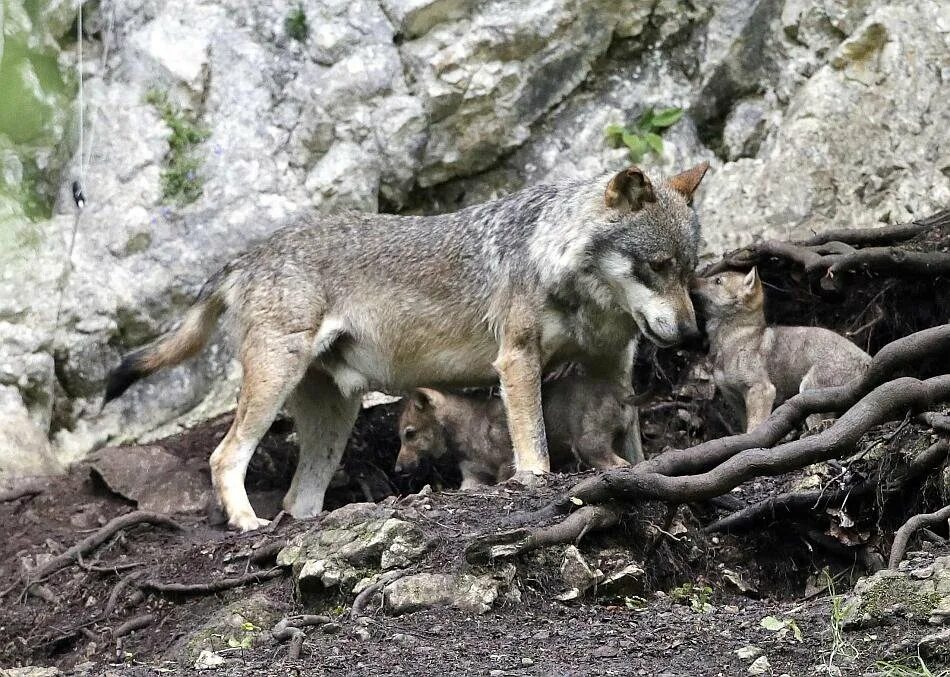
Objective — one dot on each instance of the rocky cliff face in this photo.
(209, 123)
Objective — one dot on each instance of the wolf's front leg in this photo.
(519, 369)
(323, 419)
(759, 399)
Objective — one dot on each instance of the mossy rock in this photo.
(920, 589)
(241, 624)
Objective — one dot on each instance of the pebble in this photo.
(331, 628)
(364, 621)
(526, 661)
(362, 634)
(404, 639)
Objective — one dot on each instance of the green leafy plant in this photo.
(644, 136)
(912, 667)
(697, 596)
(181, 179)
(296, 24)
(782, 626)
(839, 645)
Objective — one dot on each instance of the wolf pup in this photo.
(331, 306)
(585, 420)
(755, 366)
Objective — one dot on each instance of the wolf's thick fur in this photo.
(756, 366)
(585, 420)
(329, 307)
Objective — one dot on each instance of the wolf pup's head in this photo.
(650, 250)
(730, 295)
(421, 435)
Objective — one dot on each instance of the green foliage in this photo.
(912, 667)
(839, 645)
(644, 136)
(181, 180)
(697, 596)
(296, 24)
(782, 626)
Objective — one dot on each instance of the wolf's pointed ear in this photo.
(425, 398)
(687, 182)
(629, 190)
(751, 281)
(420, 400)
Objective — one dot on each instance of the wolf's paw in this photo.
(527, 478)
(247, 522)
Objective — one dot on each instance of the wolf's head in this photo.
(730, 295)
(649, 250)
(420, 433)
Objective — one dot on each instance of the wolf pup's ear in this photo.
(629, 190)
(751, 281)
(420, 400)
(687, 182)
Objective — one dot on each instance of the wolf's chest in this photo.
(584, 331)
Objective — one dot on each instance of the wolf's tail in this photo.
(177, 345)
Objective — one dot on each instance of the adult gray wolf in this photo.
(331, 306)
(756, 366)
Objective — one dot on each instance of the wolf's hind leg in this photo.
(323, 419)
(272, 367)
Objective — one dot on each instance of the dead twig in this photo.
(219, 585)
(902, 537)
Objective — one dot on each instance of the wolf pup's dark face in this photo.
(650, 254)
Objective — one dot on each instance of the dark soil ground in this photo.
(657, 631)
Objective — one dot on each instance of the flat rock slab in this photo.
(155, 479)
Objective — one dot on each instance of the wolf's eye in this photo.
(409, 433)
(659, 267)
(718, 280)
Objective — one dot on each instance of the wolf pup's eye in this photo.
(659, 267)
(718, 280)
(409, 433)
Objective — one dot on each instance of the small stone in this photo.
(364, 621)
(331, 628)
(760, 666)
(496, 673)
(208, 660)
(404, 639)
(362, 634)
(527, 661)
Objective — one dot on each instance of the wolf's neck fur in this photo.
(743, 328)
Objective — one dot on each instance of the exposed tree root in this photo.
(519, 541)
(92, 542)
(212, 587)
(29, 487)
(788, 504)
(132, 625)
(117, 591)
(362, 599)
(289, 629)
(716, 467)
(836, 252)
(880, 236)
(902, 538)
